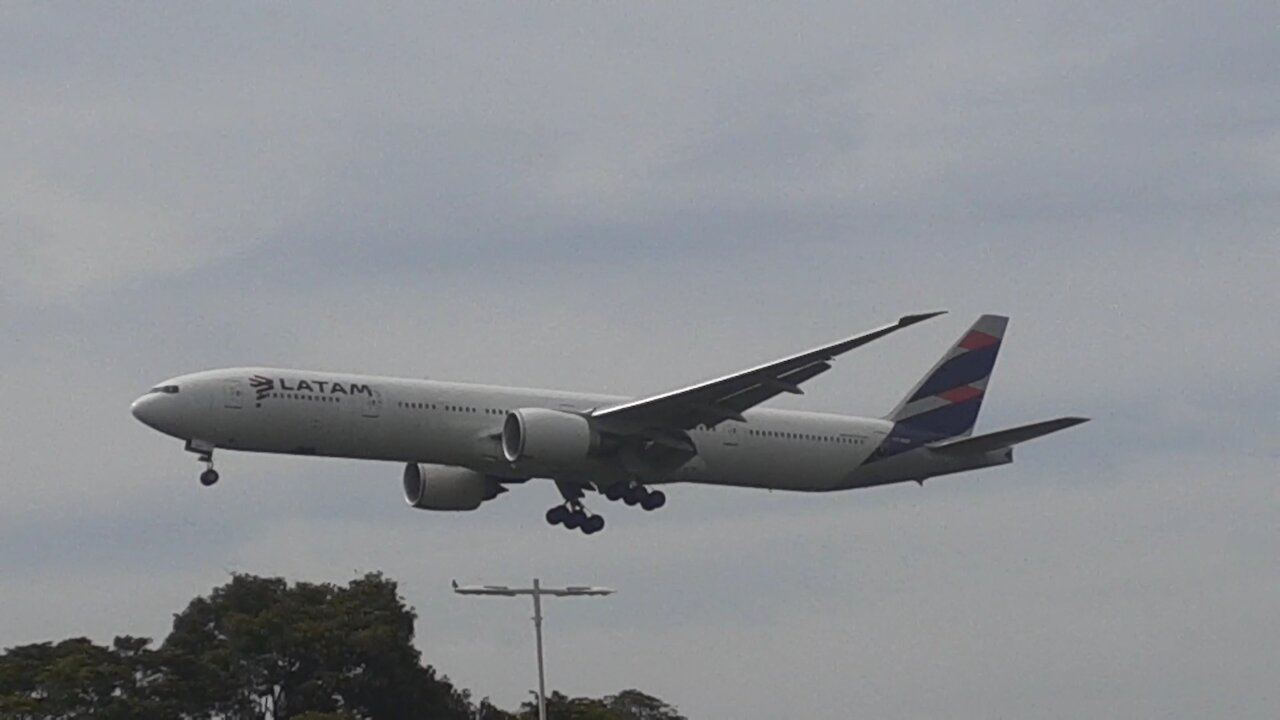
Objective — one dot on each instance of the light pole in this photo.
(537, 591)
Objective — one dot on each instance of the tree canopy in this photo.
(262, 649)
(626, 705)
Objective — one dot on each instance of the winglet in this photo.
(906, 320)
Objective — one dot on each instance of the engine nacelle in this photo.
(547, 437)
(435, 487)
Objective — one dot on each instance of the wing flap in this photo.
(769, 387)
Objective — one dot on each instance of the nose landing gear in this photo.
(209, 476)
(204, 452)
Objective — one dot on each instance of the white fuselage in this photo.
(422, 421)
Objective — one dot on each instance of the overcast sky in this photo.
(626, 199)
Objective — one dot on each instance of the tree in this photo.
(258, 648)
(78, 678)
(486, 710)
(626, 705)
(635, 705)
(262, 649)
(562, 707)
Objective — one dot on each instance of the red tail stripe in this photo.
(960, 394)
(976, 339)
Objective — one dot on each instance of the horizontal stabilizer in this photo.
(1005, 438)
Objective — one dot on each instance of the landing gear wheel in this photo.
(573, 515)
(633, 495)
(575, 519)
(557, 515)
(654, 500)
(614, 492)
(204, 452)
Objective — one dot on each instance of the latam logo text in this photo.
(264, 386)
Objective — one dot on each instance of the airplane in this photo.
(463, 445)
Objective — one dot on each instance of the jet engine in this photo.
(435, 487)
(548, 437)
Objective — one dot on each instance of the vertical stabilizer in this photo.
(945, 403)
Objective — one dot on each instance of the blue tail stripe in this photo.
(947, 421)
(965, 368)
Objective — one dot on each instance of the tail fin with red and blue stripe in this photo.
(945, 403)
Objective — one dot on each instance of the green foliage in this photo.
(257, 647)
(635, 705)
(485, 710)
(77, 678)
(626, 705)
(262, 649)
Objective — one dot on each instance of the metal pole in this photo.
(537, 591)
(537, 631)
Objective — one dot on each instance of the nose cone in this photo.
(148, 411)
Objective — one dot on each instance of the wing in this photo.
(726, 398)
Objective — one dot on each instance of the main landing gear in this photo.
(636, 494)
(574, 516)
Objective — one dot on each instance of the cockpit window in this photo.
(166, 389)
